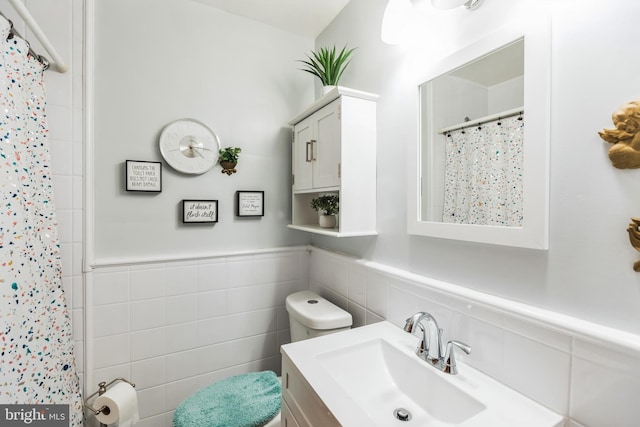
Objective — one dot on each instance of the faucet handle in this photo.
(412, 321)
(449, 365)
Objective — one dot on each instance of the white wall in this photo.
(587, 272)
(160, 61)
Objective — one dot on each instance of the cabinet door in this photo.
(326, 148)
(302, 152)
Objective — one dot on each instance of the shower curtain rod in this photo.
(483, 120)
(58, 63)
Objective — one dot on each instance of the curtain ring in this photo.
(44, 61)
(10, 35)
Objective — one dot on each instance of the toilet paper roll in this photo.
(122, 401)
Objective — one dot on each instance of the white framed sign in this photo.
(199, 211)
(143, 176)
(250, 203)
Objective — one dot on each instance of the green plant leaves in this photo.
(328, 65)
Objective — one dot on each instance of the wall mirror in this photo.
(479, 170)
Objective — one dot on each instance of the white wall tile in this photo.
(148, 282)
(181, 278)
(111, 319)
(177, 391)
(538, 371)
(212, 275)
(148, 373)
(181, 309)
(605, 386)
(148, 343)
(211, 304)
(147, 314)
(538, 333)
(111, 286)
(265, 268)
(111, 350)
(182, 365)
(357, 286)
(250, 298)
(152, 401)
(240, 272)
(181, 337)
(377, 294)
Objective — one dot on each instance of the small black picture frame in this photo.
(143, 176)
(250, 203)
(199, 211)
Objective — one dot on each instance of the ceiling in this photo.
(305, 18)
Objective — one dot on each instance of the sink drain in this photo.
(402, 414)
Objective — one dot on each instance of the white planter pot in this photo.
(327, 89)
(327, 221)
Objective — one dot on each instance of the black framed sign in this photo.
(250, 203)
(143, 176)
(198, 211)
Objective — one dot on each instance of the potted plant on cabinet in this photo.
(327, 207)
(328, 65)
(228, 158)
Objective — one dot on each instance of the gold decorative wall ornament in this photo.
(634, 238)
(625, 153)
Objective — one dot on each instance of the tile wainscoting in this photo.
(587, 372)
(173, 327)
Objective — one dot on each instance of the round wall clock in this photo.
(189, 146)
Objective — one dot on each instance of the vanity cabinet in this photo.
(334, 152)
(301, 406)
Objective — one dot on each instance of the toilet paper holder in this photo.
(102, 389)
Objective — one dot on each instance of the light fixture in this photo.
(394, 21)
(450, 4)
(399, 16)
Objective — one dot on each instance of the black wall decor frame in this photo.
(143, 176)
(199, 211)
(250, 203)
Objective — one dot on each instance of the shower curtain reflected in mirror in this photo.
(37, 364)
(483, 174)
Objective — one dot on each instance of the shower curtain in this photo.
(483, 174)
(37, 365)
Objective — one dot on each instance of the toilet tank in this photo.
(311, 316)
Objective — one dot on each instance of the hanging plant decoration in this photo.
(229, 159)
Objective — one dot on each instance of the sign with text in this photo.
(144, 176)
(199, 211)
(34, 415)
(250, 203)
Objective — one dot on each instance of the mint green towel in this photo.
(246, 400)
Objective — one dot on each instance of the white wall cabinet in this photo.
(334, 151)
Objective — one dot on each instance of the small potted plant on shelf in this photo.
(327, 207)
(228, 158)
(328, 65)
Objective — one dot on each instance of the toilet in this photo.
(310, 316)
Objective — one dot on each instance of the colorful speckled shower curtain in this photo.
(37, 364)
(483, 174)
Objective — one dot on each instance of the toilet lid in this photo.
(242, 400)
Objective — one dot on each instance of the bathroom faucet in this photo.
(430, 346)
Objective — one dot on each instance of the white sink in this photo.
(363, 375)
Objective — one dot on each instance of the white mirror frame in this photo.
(534, 232)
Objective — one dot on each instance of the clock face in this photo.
(189, 146)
